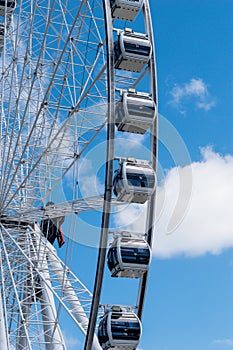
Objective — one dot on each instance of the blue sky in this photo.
(189, 303)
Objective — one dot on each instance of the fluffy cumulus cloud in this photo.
(194, 209)
(90, 184)
(195, 91)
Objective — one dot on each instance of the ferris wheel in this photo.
(74, 74)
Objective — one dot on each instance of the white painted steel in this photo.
(3, 334)
(126, 9)
(57, 93)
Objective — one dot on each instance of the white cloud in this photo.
(89, 182)
(132, 217)
(85, 166)
(72, 342)
(133, 141)
(206, 105)
(91, 186)
(195, 90)
(225, 342)
(205, 223)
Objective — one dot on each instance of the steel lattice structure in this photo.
(58, 90)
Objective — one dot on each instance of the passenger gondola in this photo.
(125, 9)
(134, 181)
(132, 51)
(128, 256)
(119, 329)
(7, 6)
(135, 112)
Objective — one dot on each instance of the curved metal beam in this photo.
(108, 178)
(154, 151)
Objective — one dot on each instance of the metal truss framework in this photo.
(57, 94)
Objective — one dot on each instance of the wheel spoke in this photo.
(65, 73)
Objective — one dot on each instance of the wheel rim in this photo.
(58, 91)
